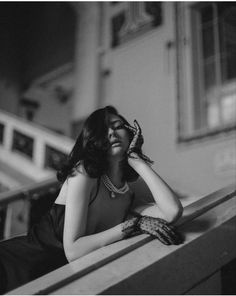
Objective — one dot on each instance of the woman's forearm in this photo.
(87, 244)
(166, 200)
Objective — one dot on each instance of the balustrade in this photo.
(22, 143)
(54, 158)
(33, 149)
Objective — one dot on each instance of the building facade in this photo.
(171, 65)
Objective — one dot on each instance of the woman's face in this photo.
(118, 136)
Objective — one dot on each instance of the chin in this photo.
(117, 152)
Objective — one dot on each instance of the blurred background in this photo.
(170, 65)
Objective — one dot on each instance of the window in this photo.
(211, 62)
(130, 19)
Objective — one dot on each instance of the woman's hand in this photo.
(159, 229)
(134, 151)
(137, 141)
(156, 227)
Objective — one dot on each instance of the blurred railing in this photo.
(34, 191)
(35, 150)
(33, 200)
(141, 265)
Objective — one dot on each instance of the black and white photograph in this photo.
(117, 148)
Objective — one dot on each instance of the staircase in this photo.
(29, 149)
(29, 157)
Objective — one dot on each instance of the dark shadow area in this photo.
(36, 37)
(40, 205)
(200, 225)
(228, 276)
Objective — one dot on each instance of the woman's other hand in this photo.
(159, 229)
(156, 227)
(134, 151)
(137, 141)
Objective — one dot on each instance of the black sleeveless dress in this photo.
(25, 258)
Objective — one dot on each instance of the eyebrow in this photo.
(116, 120)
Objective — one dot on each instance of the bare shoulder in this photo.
(79, 184)
(80, 179)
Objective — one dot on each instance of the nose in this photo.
(111, 133)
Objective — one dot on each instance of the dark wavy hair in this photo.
(91, 148)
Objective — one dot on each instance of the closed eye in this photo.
(120, 126)
(117, 125)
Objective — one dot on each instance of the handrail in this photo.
(31, 191)
(91, 262)
(26, 125)
(206, 203)
(35, 149)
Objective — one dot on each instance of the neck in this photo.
(115, 173)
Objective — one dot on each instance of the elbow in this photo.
(70, 256)
(175, 213)
(70, 252)
(80, 248)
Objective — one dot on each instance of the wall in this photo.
(9, 59)
(48, 37)
(36, 38)
(54, 111)
(143, 86)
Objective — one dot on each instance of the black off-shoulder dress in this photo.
(25, 258)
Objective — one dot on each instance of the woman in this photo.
(93, 208)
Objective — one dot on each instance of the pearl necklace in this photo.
(112, 188)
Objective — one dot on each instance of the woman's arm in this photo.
(167, 206)
(87, 244)
(76, 244)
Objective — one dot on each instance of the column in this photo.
(85, 98)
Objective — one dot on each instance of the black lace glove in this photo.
(137, 141)
(135, 147)
(160, 229)
(129, 226)
(156, 227)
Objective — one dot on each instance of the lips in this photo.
(115, 143)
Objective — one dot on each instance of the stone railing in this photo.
(141, 265)
(34, 150)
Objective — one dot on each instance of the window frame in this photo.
(189, 126)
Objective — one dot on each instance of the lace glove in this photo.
(135, 147)
(137, 141)
(129, 226)
(160, 229)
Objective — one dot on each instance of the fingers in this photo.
(131, 128)
(158, 235)
(137, 126)
(160, 229)
(136, 129)
(163, 235)
(137, 141)
(171, 236)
